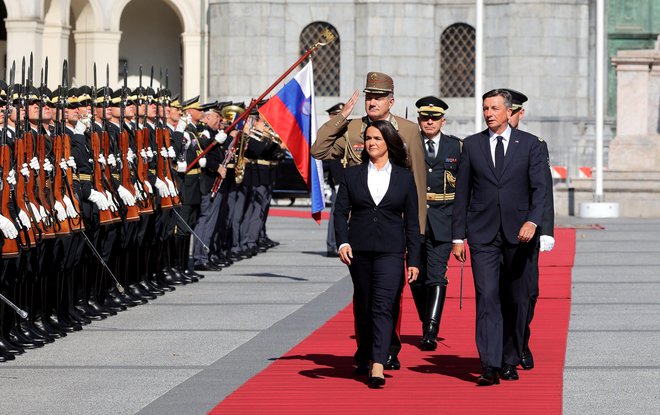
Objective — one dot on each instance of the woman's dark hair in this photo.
(395, 148)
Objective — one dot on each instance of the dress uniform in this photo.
(341, 138)
(442, 156)
(335, 173)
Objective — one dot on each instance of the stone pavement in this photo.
(187, 350)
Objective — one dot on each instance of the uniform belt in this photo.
(194, 171)
(85, 177)
(152, 171)
(439, 197)
(231, 165)
(266, 162)
(115, 176)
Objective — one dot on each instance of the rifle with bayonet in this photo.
(10, 247)
(132, 212)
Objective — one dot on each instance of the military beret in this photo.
(379, 83)
(335, 109)
(431, 106)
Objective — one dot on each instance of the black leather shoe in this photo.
(489, 377)
(509, 372)
(392, 363)
(527, 360)
(332, 254)
(376, 382)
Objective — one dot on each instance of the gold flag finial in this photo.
(326, 37)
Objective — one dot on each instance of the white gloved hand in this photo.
(180, 126)
(111, 160)
(162, 188)
(170, 152)
(111, 203)
(130, 155)
(181, 166)
(71, 162)
(150, 153)
(63, 165)
(80, 128)
(60, 211)
(24, 170)
(87, 121)
(143, 154)
(34, 164)
(547, 242)
(126, 196)
(11, 177)
(163, 152)
(24, 219)
(98, 199)
(202, 162)
(171, 187)
(220, 137)
(47, 166)
(42, 213)
(35, 212)
(186, 140)
(206, 134)
(7, 227)
(139, 191)
(101, 159)
(150, 189)
(70, 209)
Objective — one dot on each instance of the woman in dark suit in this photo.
(376, 223)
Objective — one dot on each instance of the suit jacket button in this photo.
(375, 207)
(375, 219)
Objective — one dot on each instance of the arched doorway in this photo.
(155, 41)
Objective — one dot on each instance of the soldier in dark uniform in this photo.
(545, 230)
(335, 173)
(442, 156)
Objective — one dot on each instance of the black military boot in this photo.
(435, 302)
(418, 291)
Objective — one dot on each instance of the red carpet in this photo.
(315, 377)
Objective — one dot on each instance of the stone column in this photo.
(192, 69)
(23, 37)
(96, 47)
(56, 48)
(636, 146)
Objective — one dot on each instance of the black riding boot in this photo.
(435, 301)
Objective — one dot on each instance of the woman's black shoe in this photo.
(376, 382)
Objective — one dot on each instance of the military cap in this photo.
(255, 110)
(32, 94)
(102, 92)
(431, 106)
(209, 106)
(335, 109)
(379, 83)
(3, 88)
(115, 98)
(517, 99)
(175, 102)
(192, 103)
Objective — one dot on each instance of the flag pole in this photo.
(326, 38)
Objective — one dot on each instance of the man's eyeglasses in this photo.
(430, 117)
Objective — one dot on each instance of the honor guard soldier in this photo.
(341, 138)
(335, 173)
(545, 230)
(442, 156)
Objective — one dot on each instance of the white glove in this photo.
(139, 191)
(111, 160)
(70, 210)
(162, 188)
(24, 219)
(11, 177)
(63, 165)
(148, 186)
(150, 153)
(7, 227)
(130, 156)
(42, 213)
(163, 152)
(34, 164)
(220, 137)
(206, 133)
(170, 152)
(180, 126)
(60, 211)
(143, 154)
(202, 162)
(181, 166)
(111, 204)
(99, 200)
(547, 243)
(47, 166)
(171, 187)
(24, 171)
(71, 162)
(186, 140)
(101, 159)
(126, 196)
(80, 128)
(35, 212)
(87, 120)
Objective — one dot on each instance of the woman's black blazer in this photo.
(392, 226)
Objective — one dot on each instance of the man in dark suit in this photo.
(500, 196)
(442, 155)
(546, 230)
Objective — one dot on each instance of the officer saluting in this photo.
(442, 156)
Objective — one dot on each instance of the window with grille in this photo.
(326, 59)
(457, 61)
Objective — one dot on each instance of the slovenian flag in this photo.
(291, 113)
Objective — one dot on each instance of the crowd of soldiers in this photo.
(101, 201)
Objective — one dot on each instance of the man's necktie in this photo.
(499, 155)
(430, 147)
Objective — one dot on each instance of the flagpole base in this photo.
(599, 210)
